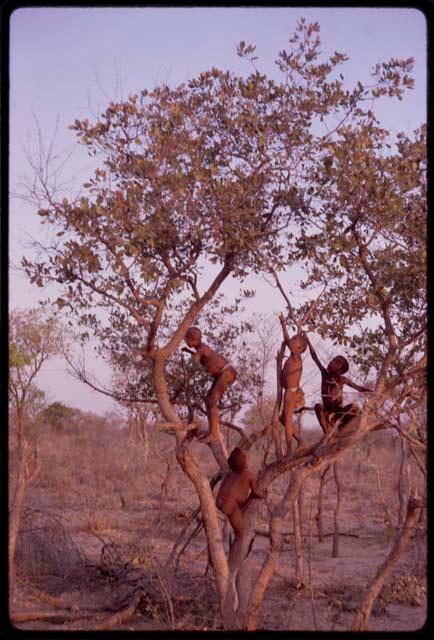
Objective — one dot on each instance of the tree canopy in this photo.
(223, 169)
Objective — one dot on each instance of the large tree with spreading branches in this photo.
(225, 176)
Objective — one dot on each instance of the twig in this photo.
(380, 489)
(335, 550)
(309, 567)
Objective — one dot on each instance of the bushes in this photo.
(44, 548)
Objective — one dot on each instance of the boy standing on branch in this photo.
(219, 368)
(290, 381)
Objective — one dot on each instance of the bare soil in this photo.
(123, 550)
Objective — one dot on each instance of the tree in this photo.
(33, 339)
(222, 172)
(58, 415)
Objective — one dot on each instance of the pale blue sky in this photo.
(60, 59)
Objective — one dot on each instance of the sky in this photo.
(68, 63)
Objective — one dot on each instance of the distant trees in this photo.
(225, 176)
(33, 339)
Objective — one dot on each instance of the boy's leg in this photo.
(346, 414)
(212, 399)
(231, 509)
(236, 520)
(289, 404)
(321, 414)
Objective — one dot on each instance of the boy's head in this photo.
(298, 344)
(338, 365)
(238, 460)
(193, 337)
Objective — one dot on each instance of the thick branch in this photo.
(198, 306)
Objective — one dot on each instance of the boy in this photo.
(219, 368)
(234, 490)
(290, 381)
(333, 380)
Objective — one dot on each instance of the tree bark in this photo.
(269, 565)
(403, 481)
(275, 424)
(361, 618)
(210, 519)
(319, 513)
(24, 477)
(298, 544)
(335, 550)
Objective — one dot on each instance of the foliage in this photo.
(368, 203)
(59, 416)
(33, 339)
(229, 175)
(214, 171)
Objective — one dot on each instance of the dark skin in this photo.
(218, 367)
(290, 381)
(332, 382)
(237, 487)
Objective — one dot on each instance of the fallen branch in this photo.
(124, 614)
(57, 603)
(55, 616)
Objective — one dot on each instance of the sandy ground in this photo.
(326, 602)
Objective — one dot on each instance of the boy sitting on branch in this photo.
(332, 412)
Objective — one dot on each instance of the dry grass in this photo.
(111, 488)
(44, 547)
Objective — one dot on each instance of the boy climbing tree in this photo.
(290, 381)
(331, 412)
(219, 368)
(236, 488)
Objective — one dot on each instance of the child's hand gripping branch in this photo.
(290, 381)
(219, 368)
(238, 486)
(332, 382)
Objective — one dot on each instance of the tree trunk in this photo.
(319, 514)
(275, 420)
(298, 544)
(361, 618)
(403, 482)
(164, 492)
(24, 477)
(210, 519)
(268, 567)
(335, 550)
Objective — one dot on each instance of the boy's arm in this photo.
(355, 386)
(254, 491)
(313, 353)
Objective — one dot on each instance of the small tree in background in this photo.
(34, 338)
